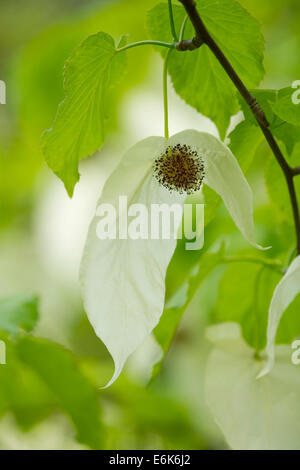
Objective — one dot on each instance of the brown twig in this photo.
(188, 44)
(296, 171)
(204, 37)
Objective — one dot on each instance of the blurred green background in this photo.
(42, 231)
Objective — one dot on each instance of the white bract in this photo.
(123, 280)
(285, 292)
(252, 414)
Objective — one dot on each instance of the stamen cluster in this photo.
(180, 168)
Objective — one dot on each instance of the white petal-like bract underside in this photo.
(123, 281)
(252, 414)
(224, 175)
(285, 292)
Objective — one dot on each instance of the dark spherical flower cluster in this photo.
(180, 168)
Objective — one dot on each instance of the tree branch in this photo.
(296, 171)
(188, 44)
(203, 37)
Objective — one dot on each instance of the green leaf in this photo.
(22, 392)
(285, 106)
(184, 262)
(80, 128)
(277, 187)
(18, 313)
(212, 203)
(58, 369)
(289, 326)
(244, 295)
(197, 76)
(244, 142)
(287, 133)
(264, 98)
(175, 308)
(154, 413)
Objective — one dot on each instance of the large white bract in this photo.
(123, 281)
(285, 292)
(252, 414)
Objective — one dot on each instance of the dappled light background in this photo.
(42, 230)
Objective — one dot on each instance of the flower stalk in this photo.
(165, 94)
(146, 43)
(172, 24)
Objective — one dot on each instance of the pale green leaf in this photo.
(80, 125)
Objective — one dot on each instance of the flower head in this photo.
(123, 280)
(180, 168)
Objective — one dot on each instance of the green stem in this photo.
(256, 310)
(271, 264)
(165, 94)
(182, 29)
(291, 258)
(175, 38)
(146, 43)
